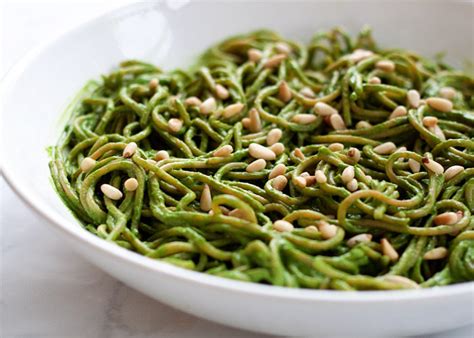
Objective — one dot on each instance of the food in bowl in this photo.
(334, 165)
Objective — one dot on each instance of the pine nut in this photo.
(446, 218)
(129, 149)
(298, 153)
(279, 182)
(440, 104)
(311, 229)
(363, 125)
(460, 214)
(304, 118)
(221, 92)
(307, 92)
(337, 122)
(111, 192)
(385, 65)
(403, 281)
(360, 54)
(361, 238)
(352, 185)
(284, 92)
(323, 109)
(161, 155)
(254, 55)
(347, 174)
(87, 164)
(283, 226)
(438, 132)
(192, 101)
(258, 151)
(397, 112)
(436, 253)
(354, 154)
(283, 47)
(255, 123)
(208, 106)
(151, 162)
(299, 182)
(374, 80)
(310, 180)
(232, 109)
(256, 165)
(327, 230)
(237, 213)
(336, 147)
(305, 174)
(275, 61)
(153, 84)
(224, 151)
(414, 165)
(175, 125)
(278, 148)
(452, 171)
(206, 198)
(430, 121)
(447, 92)
(385, 148)
(434, 166)
(131, 184)
(320, 176)
(388, 250)
(279, 169)
(413, 98)
(274, 136)
(246, 122)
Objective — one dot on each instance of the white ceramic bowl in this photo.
(38, 89)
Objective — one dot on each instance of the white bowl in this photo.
(38, 89)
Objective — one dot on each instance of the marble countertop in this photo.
(46, 289)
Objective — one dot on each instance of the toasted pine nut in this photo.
(131, 184)
(385, 65)
(337, 122)
(360, 54)
(192, 101)
(278, 148)
(161, 155)
(304, 118)
(440, 104)
(208, 106)
(385, 148)
(400, 280)
(153, 84)
(307, 92)
(232, 110)
(258, 151)
(310, 180)
(447, 92)
(279, 169)
(283, 226)
(206, 198)
(246, 122)
(283, 47)
(237, 213)
(305, 174)
(254, 55)
(446, 218)
(436, 253)
(224, 151)
(414, 165)
(434, 166)
(397, 112)
(284, 92)
(299, 181)
(354, 154)
(452, 171)
(327, 230)
(413, 98)
(111, 192)
(388, 250)
(323, 109)
(320, 176)
(352, 185)
(347, 174)
(336, 146)
(311, 229)
(279, 182)
(430, 121)
(129, 149)
(221, 92)
(438, 132)
(274, 136)
(360, 238)
(363, 125)
(275, 60)
(175, 125)
(87, 164)
(255, 123)
(374, 80)
(298, 153)
(256, 165)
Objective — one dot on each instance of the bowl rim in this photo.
(85, 238)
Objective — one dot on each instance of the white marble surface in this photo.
(46, 289)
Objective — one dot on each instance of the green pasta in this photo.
(334, 165)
